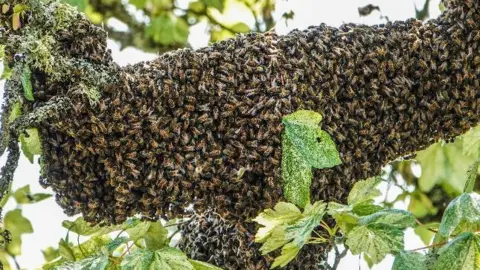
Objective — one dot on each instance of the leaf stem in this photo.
(430, 246)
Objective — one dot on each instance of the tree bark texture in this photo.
(204, 127)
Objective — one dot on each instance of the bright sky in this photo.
(46, 216)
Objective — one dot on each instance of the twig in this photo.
(17, 265)
(430, 246)
(338, 256)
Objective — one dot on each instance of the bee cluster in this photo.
(204, 127)
(211, 238)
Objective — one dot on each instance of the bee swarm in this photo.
(204, 126)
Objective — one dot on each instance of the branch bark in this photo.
(204, 126)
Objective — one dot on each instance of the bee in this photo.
(164, 134)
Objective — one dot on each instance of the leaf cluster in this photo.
(137, 245)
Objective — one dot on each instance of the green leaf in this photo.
(286, 227)
(217, 4)
(283, 213)
(471, 142)
(425, 232)
(24, 196)
(15, 113)
(31, 145)
(395, 218)
(462, 253)
(81, 227)
(444, 164)
(376, 240)
(167, 29)
(409, 260)
(6, 73)
(420, 204)
(17, 224)
(240, 27)
(461, 215)
(368, 260)
(26, 79)
(156, 236)
(471, 176)
(315, 145)
(80, 4)
(343, 215)
(366, 208)
(296, 174)
(196, 6)
(114, 244)
(289, 252)
(364, 190)
(50, 254)
(140, 4)
(165, 258)
(65, 250)
(91, 263)
(304, 146)
(198, 265)
(92, 246)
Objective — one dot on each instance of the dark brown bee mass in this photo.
(204, 126)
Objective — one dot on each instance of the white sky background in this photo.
(46, 216)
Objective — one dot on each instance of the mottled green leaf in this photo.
(165, 258)
(198, 265)
(409, 260)
(26, 80)
(364, 190)
(99, 262)
(461, 215)
(115, 243)
(462, 253)
(80, 4)
(283, 213)
(296, 174)
(17, 224)
(315, 145)
(471, 176)
(395, 218)
(31, 144)
(375, 240)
